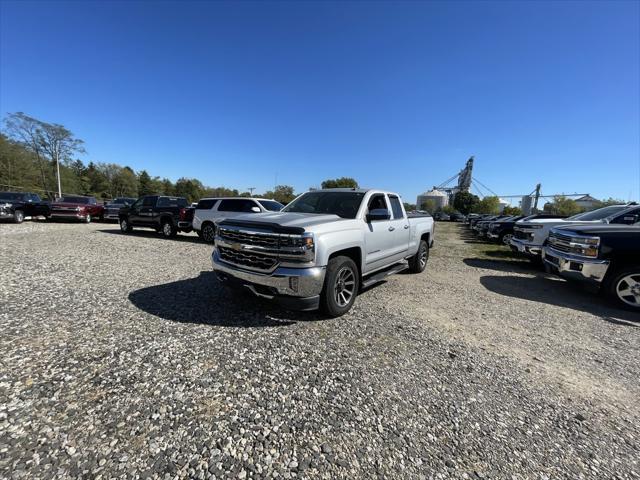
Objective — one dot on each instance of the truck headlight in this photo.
(299, 247)
(535, 227)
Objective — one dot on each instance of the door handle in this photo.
(406, 226)
(391, 229)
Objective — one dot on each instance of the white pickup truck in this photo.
(529, 237)
(322, 248)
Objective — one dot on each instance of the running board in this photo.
(380, 276)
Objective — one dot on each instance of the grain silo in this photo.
(441, 199)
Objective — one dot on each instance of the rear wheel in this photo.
(168, 230)
(18, 216)
(87, 219)
(418, 262)
(341, 284)
(623, 287)
(208, 232)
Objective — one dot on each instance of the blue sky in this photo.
(397, 95)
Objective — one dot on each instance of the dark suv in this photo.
(18, 205)
(161, 213)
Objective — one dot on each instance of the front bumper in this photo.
(525, 248)
(575, 267)
(294, 288)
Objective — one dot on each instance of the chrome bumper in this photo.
(575, 267)
(291, 282)
(492, 236)
(526, 248)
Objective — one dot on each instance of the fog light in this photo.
(575, 266)
(293, 283)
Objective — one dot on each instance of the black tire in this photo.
(342, 277)
(418, 262)
(18, 216)
(125, 226)
(624, 280)
(208, 232)
(167, 229)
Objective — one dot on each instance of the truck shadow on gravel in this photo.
(155, 236)
(514, 266)
(204, 300)
(561, 294)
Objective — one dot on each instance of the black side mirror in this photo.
(378, 214)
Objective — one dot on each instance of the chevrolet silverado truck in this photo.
(605, 255)
(322, 248)
(502, 230)
(76, 207)
(164, 214)
(15, 206)
(208, 211)
(112, 208)
(530, 236)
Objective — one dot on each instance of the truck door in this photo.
(379, 235)
(402, 231)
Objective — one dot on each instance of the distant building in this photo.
(441, 199)
(526, 204)
(587, 202)
(503, 203)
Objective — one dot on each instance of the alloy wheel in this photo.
(507, 239)
(208, 233)
(166, 229)
(344, 287)
(423, 257)
(628, 289)
(123, 225)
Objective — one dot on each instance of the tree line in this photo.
(42, 157)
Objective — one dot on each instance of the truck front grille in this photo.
(254, 261)
(249, 238)
(560, 242)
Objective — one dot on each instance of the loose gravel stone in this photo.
(123, 357)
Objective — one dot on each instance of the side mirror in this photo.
(378, 214)
(255, 209)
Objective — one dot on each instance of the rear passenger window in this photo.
(206, 204)
(236, 205)
(396, 207)
(148, 201)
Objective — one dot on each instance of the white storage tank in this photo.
(441, 199)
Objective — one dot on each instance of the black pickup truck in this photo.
(502, 230)
(607, 256)
(167, 215)
(16, 206)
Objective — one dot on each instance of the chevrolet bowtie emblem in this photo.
(236, 246)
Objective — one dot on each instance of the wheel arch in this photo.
(354, 253)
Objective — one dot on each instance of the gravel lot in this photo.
(122, 357)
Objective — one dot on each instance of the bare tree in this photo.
(50, 143)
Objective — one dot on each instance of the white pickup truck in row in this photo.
(322, 248)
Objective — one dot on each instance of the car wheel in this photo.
(418, 262)
(18, 216)
(208, 233)
(124, 226)
(87, 219)
(168, 230)
(505, 238)
(623, 287)
(341, 284)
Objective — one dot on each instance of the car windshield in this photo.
(342, 204)
(123, 201)
(599, 214)
(271, 205)
(75, 200)
(12, 196)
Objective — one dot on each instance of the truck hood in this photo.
(556, 222)
(602, 228)
(287, 220)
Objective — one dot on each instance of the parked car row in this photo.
(600, 248)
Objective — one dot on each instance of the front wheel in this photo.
(125, 227)
(623, 287)
(505, 238)
(208, 233)
(418, 262)
(18, 216)
(341, 284)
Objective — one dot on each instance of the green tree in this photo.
(167, 187)
(281, 193)
(409, 206)
(448, 209)
(490, 205)
(465, 202)
(342, 182)
(145, 184)
(513, 211)
(562, 205)
(430, 206)
(190, 188)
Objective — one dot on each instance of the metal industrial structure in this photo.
(444, 193)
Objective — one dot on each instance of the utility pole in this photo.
(58, 171)
(536, 198)
(251, 189)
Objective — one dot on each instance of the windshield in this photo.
(12, 196)
(75, 200)
(599, 214)
(123, 201)
(342, 204)
(271, 205)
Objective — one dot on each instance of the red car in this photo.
(75, 207)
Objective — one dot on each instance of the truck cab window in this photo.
(396, 207)
(377, 202)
